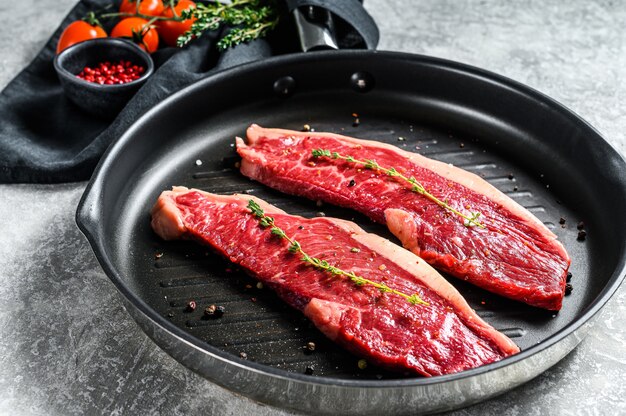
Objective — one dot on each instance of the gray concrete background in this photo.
(67, 346)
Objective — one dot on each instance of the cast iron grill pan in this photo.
(524, 144)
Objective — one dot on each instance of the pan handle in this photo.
(88, 213)
(316, 28)
(351, 12)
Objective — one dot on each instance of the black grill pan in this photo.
(528, 146)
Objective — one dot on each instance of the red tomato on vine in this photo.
(139, 31)
(79, 31)
(170, 30)
(147, 7)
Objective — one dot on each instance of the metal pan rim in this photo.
(87, 218)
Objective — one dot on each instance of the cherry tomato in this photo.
(169, 30)
(147, 7)
(79, 31)
(139, 31)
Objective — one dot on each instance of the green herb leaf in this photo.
(472, 220)
(295, 247)
(277, 231)
(371, 164)
(249, 19)
(320, 153)
(414, 299)
(359, 281)
(266, 222)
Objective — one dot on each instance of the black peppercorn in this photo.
(582, 235)
(351, 183)
(568, 289)
(309, 370)
(580, 225)
(569, 277)
(561, 220)
(309, 347)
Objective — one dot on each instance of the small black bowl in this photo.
(100, 99)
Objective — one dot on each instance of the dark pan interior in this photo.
(530, 148)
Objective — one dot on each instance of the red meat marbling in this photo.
(445, 336)
(514, 256)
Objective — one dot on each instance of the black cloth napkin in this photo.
(44, 138)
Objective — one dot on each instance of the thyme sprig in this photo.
(250, 19)
(152, 19)
(295, 248)
(470, 220)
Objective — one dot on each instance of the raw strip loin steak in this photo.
(514, 256)
(445, 336)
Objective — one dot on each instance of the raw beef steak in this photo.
(510, 253)
(440, 334)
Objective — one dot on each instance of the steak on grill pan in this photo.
(439, 335)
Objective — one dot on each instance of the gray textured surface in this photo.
(66, 344)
